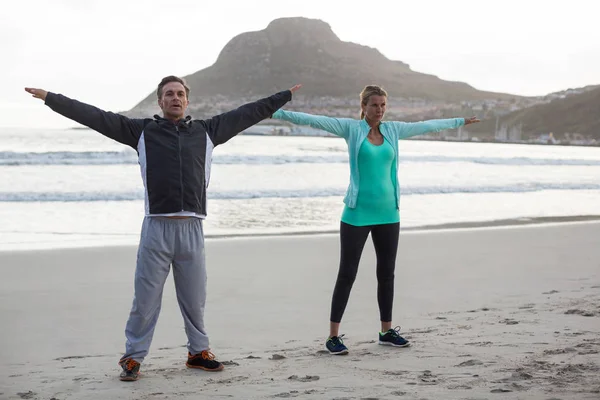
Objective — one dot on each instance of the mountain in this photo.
(577, 113)
(307, 51)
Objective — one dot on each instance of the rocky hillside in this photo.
(573, 114)
(307, 51)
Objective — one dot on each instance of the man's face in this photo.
(173, 101)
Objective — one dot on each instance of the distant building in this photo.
(546, 138)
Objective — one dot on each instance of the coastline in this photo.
(132, 239)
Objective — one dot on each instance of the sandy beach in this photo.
(492, 313)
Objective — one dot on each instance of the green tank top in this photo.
(376, 202)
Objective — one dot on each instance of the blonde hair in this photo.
(367, 92)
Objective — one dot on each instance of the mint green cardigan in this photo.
(355, 132)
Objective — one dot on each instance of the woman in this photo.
(371, 201)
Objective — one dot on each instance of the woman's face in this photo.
(375, 108)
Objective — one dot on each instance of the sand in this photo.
(492, 313)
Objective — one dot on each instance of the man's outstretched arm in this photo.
(224, 126)
(115, 126)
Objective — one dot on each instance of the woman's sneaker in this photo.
(204, 360)
(336, 346)
(392, 338)
(131, 369)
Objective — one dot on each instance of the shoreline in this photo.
(472, 225)
(511, 222)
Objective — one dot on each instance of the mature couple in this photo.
(175, 153)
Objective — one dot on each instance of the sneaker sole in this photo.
(205, 369)
(129, 378)
(339, 353)
(393, 345)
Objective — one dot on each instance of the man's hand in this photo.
(37, 93)
(296, 87)
(471, 120)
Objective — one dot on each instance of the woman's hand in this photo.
(471, 120)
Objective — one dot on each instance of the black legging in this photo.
(353, 239)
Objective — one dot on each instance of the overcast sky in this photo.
(113, 53)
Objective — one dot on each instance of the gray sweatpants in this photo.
(165, 241)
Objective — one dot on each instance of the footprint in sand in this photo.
(230, 363)
(588, 343)
(469, 363)
(479, 344)
(284, 395)
(560, 351)
(480, 309)
(277, 357)
(428, 378)
(27, 395)
(395, 373)
(251, 357)
(551, 292)
(570, 334)
(78, 357)
(307, 378)
(520, 376)
(422, 331)
(463, 387)
(228, 381)
(509, 321)
(580, 312)
(527, 306)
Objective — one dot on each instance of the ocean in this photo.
(73, 187)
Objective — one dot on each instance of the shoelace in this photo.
(130, 364)
(395, 332)
(338, 341)
(207, 355)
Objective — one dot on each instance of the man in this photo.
(175, 154)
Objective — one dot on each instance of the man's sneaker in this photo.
(204, 360)
(131, 369)
(392, 338)
(336, 346)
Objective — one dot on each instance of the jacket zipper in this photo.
(180, 165)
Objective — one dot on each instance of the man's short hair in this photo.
(169, 79)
